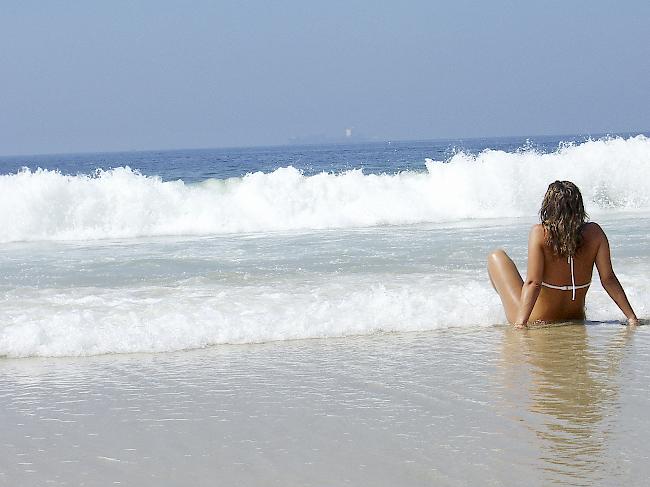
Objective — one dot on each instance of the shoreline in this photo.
(450, 407)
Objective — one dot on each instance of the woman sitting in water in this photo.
(562, 251)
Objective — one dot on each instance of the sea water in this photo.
(167, 251)
(376, 253)
(453, 408)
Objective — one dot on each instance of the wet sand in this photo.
(486, 406)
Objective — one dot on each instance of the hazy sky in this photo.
(119, 75)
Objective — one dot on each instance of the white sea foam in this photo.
(46, 205)
(90, 321)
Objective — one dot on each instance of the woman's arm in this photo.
(534, 276)
(610, 282)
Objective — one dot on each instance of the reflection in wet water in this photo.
(572, 396)
(485, 407)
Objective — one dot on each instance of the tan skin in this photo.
(528, 301)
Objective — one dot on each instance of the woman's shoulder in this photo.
(537, 234)
(593, 233)
(592, 229)
(537, 230)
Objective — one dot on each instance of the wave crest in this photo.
(122, 203)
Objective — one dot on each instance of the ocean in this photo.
(325, 316)
(164, 251)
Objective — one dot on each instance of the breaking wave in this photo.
(122, 203)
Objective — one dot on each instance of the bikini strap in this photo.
(573, 280)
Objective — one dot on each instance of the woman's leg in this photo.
(506, 280)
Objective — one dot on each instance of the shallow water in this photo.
(88, 298)
(494, 406)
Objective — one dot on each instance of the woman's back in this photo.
(555, 304)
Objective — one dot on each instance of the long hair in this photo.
(563, 215)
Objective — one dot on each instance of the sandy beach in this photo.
(496, 406)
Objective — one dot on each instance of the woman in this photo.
(562, 251)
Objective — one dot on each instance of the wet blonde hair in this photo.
(563, 215)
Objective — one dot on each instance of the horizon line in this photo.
(333, 141)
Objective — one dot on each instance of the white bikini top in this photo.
(572, 287)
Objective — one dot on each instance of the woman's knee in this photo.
(497, 256)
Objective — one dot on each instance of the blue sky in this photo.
(98, 76)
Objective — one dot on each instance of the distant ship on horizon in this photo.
(349, 135)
